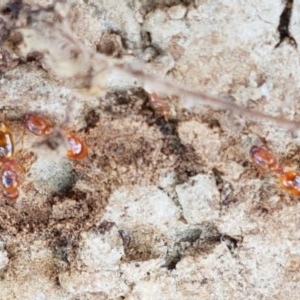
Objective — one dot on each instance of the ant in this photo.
(290, 181)
(41, 126)
(6, 141)
(37, 124)
(160, 106)
(10, 168)
(10, 178)
(77, 149)
(266, 160)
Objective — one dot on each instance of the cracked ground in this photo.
(168, 204)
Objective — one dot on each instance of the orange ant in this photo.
(6, 141)
(290, 181)
(9, 168)
(10, 178)
(160, 106)
(39, 125)
(77, 148)
(266, 160)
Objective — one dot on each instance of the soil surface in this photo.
(168, 203)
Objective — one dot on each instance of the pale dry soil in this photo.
(162, 208)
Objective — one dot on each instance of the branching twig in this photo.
(66, 57)
(197, 98)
